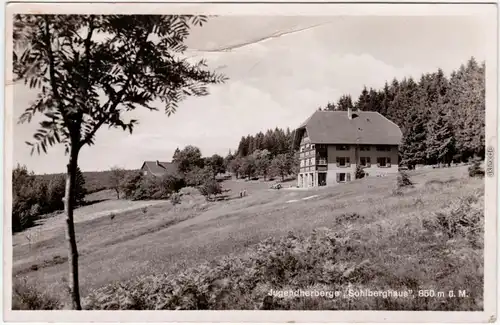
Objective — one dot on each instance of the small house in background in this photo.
(158, 168)
(332, 143)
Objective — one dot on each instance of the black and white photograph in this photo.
(251, 158)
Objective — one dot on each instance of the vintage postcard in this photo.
(250, 162)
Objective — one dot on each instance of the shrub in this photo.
(463, 218)
(171, 183)
(28, 297)
(175, 198)
(189, 191)
(360, 173)
(324, 260)
(209, 188)
(148, 188)
(404, 180)
(198, 176)
(33, 196)
(56, 190)
(130, 184)
(231, 282)
(139, 187)
(475, 169)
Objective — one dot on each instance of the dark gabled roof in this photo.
(335, 127)
(159, 168)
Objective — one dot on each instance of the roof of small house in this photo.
(158, 168)
(335, 127)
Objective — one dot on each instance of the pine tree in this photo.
(363, 102)
(374, 101)
(385, 100)
(80, 190)
(344, 103)
(473, 106)
(411, 115)
(242, 147)
(440, 140)
(251, 145)
(176, 153)
(330, 106)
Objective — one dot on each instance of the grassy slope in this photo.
(170, 239)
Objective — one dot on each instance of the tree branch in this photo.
(52, 75)
(117, 99)
(87, 44)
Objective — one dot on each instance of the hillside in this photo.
(409, 240)
(94, 181)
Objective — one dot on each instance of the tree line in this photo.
(442, 118)
(33, 195)
(268, 154)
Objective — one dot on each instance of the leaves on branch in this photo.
(91, 70)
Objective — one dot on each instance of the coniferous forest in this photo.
(442, 117)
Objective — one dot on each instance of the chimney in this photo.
(349, 113)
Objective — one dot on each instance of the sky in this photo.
(280, 70)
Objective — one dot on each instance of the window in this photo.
(365, 161)
(364, 148)
(312, 146)
(343, 162)
(343, 177)
(310, 161)
(383, 148)
(342, 147)
(384, 162)
(307, 145)
(321, 161)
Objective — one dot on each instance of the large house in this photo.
(158, 168)
(333, 143)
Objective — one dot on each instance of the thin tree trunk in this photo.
(117, 193)
(70, 229)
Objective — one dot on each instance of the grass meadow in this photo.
(229, 254)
